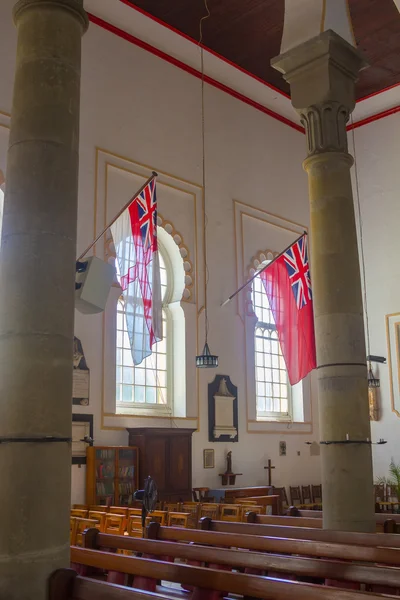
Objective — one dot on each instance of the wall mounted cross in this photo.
(269, 467)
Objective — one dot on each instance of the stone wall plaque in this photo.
(80, 376)
(222, 410)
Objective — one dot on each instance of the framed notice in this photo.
(208, 458)
(82, 429)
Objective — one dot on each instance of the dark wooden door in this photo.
(156, 461)
(179, 467)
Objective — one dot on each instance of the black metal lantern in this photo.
(206, 360)
(373, 382)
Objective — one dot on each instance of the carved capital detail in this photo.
(325, 126)
(73, 6)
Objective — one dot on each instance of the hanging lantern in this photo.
(373, 385)
(206, 360)
(373, 382)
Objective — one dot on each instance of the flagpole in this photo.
(154, 174)
(261, 270)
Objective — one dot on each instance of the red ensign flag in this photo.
(287, 284)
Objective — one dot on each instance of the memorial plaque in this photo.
(80, 376)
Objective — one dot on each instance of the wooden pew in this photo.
(293, 511)
(66, 584)
(290, 521)
(310, 548)
(284, 565)
(215, 580)
(385, 525)
(301, 533)
(273, 501)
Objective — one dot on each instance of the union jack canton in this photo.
(296, 262)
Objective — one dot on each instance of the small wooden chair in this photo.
(78, 512)
(230, 512)
(316, 491)
(119, 510)
(210, 509)
(193, 509)
(81, 506)
(172, 507)
(307, 497)
(295, 496)
(100, 517)
(281, 492)
(114, 524)
(99, 507)
(134, 527)
(81, 525)
(134, 512)
(178, 519)
(159, 516)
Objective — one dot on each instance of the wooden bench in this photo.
(287, 521)
(207, 581)
(384, 523)
(66, 584)
(309, 548)
(301, 533)
(380, 518)
(243, 559)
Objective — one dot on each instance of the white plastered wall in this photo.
(377, 160)
(143, 111)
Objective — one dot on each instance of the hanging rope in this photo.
(364, 281)
(205, 219)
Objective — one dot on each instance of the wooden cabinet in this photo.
(112, 475)
(165, 455)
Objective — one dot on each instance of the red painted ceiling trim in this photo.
(376, 117)
(386, 89)
(219, 56)
(177, 63)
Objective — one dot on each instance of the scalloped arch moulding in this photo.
(183, 251)
(257, 260)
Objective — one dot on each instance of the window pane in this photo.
(147, 382)
(272, 390)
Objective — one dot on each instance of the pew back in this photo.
(66, 584)
(316, 568)
(301, 533)
(217, 580)
(388, 556)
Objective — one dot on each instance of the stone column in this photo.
(322, 74)
(37, 273)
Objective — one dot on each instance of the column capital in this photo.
(323, 69)
(73, 6)
(322, 73)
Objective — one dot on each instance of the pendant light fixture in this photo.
(373, 382)
(205, 360)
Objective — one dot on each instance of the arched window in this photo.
(273, 397)
(145, 384)
(158, 385)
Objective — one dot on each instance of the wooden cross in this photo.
(269, 467)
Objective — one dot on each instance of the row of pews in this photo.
(220, 558)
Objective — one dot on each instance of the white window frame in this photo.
(285, 416)
(175, 334)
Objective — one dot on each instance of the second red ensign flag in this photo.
(287, 284)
